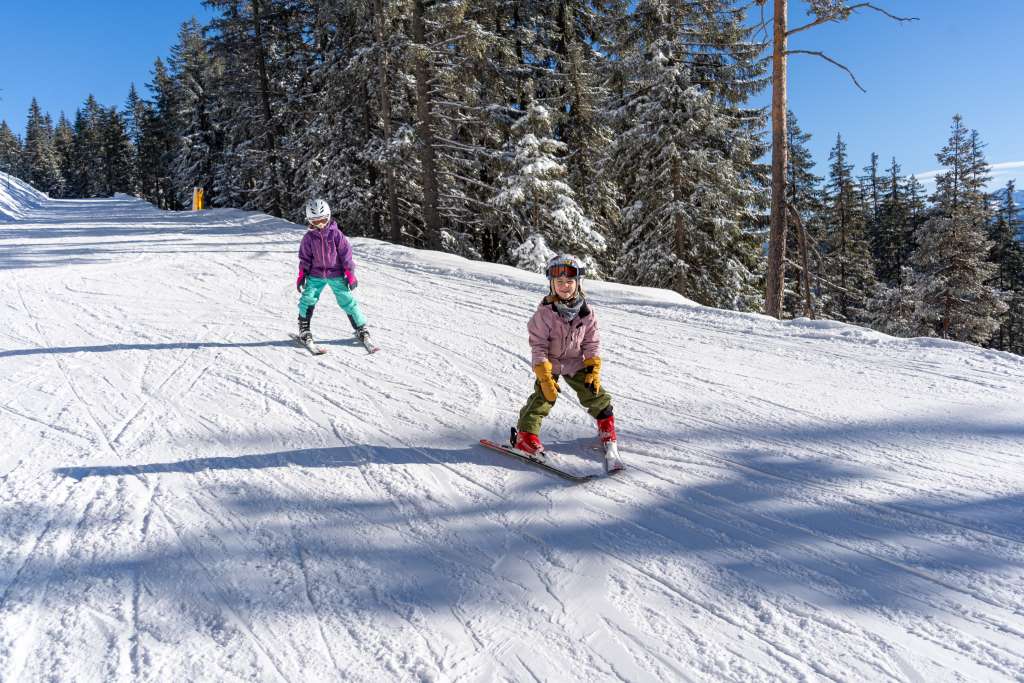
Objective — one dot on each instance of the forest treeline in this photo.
(623, 132)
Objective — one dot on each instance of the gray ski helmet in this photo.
(317, 210)
(565, 265)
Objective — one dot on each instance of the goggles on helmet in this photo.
(563, 271)
(319, 223)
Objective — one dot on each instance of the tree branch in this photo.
(843, 14)
(828, 59)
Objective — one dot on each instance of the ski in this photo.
(311, 346)
(525, 457)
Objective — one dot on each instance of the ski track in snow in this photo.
(185, 494)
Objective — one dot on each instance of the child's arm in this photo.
(591, 344)
(539, 333)
(592, 353)
(305, 262)
(346, 262)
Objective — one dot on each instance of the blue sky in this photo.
(954, 60)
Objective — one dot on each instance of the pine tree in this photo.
(683, 164)
(159, 141)
(133, 114)
(894, 235)
(803, 196)
(64, 143)
(871, 198)
(539, 208)
(192, 70)
(42, 162)
(118, 152)
(951, 259)
(89, 157)
(848, 269)
(1008, 256)
(10, 151)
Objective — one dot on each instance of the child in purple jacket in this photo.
(325, 259)
(564, 341)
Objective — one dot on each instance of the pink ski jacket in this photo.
(565, 344)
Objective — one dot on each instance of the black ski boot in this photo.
(304, 334)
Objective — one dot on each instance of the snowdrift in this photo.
(17, 197)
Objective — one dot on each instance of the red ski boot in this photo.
(606, 431)
(528, 443)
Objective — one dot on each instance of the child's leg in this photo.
(310, 295)
(347, 302)
(595, 404)
(533, 413)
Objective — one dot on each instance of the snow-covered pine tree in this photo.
(891, 307)
(263, 54)
(192, 70)
(10, 151)
(1008, 256)
(871, 199)
(684, 157)
(64, 143)
(848, 270)
(133, 113)
(687, 192)
(158, 141)
(951, 259)
(118, 152)
(41, 159)
(893, 238)
(538, 207)
(803, 195)
(570, 80)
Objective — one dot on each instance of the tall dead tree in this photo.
(823, 11)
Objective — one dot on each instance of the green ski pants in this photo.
(537, 407)
(348, 303)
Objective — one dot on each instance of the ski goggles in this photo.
(563, 271)
(319, 223)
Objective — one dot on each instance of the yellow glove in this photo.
(548, 385)
(593, 377)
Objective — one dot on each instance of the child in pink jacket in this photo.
(564, 342)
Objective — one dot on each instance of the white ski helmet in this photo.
(317, 210)
(565, 265)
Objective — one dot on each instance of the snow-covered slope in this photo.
(184, 495)
(16, 197)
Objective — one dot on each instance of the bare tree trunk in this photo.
(777, 234)
(261, 66)
(385, 113)
(425, 131)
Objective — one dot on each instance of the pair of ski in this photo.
(544, 460)
(318, 350)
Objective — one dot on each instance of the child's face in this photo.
(319, 223)
(565, 287)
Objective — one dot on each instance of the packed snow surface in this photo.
(187, 495)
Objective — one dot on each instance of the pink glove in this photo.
(300, 283)
(351, 278)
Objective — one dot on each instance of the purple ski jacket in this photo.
(326, 253)
(565, 344)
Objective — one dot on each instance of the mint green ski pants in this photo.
(348, 303)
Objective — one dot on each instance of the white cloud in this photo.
(1001, 172)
